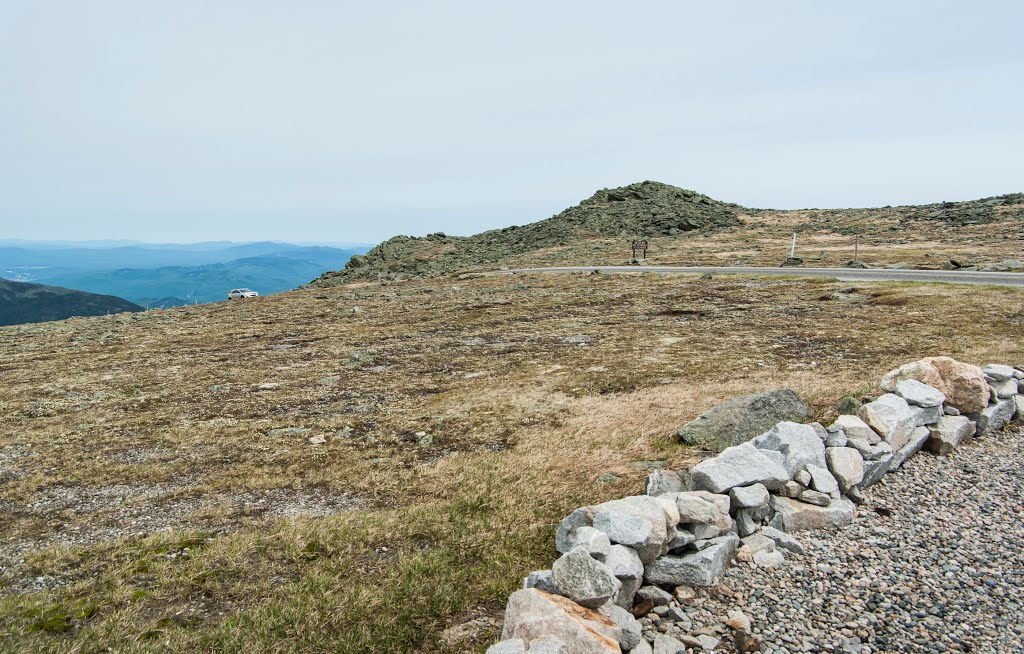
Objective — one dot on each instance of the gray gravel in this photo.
(934, 562)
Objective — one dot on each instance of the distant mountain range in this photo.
(21, 302)
(165, 275)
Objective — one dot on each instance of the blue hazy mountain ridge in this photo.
(189, 273)
(21, 302)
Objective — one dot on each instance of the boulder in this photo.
(919, 394)
(997, 372)
(511, 646)
(548, 645)
(794, 515)
(623, 528)
(846, 465)
(782, 539)
(625, 564)
(681, 540)
(532, 614)
(926, 415)
(922, 371)
(964, 385)
(701, 568)
(643, 647)
(994, 416)
(822, 480)
(855, 429)
(663, 481)
(668, 645)
(751, 545)
(838, 438)
(918, 438)
(891, 417)
(945, 436)
(595, 541)
(654, 595)
(871, 452)
(798, 444)
(792, 489)
(631, 630)
(748, 497)
(742, 418)
(766, 559)
(742, 465)
(694, 508)
(584, 579)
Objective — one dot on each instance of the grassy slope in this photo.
(165, 408)
(21, 302)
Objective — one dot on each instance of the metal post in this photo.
(792, 251)
(856, 247)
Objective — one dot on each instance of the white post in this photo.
(792, 251)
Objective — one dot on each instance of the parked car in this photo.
(240, 293)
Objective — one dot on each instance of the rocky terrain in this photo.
(686, 228)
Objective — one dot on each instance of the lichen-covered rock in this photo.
(742, 418)
(532, 614)
(584, 579)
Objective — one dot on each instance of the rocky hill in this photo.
(645, 209)
(687, 228)
(21, 302)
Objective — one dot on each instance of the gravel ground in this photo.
(934, 562)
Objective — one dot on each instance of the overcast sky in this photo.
(315, 120)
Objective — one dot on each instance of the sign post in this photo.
(641, 245)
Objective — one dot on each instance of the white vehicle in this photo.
(240, 293)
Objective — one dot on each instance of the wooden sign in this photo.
(640, 245)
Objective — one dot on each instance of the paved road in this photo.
(843, 274)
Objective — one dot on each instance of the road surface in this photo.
(843, 274)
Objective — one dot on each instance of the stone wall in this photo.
(623, 562)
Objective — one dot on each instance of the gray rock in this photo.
(657, 596)
(542, 580)
(632, 633)
(742, 465)
(997, 372)
(742, 418)
(950, 410)
(654, 511)
(622, 528)
(847, 466)
(815, 498)
(891, 417)
(926, 415)
(856, 429)
(875, 469)
(836, 439)
(668, 645)
(994, 417)
(782, 539)
(748, 497)
(871, 452)
(919, 394)
(663, 481)
(627, 593)
(624, 563)
(746, 522)
(681, 540)
(1004, 389)
(511, 646)
(918, 438)
(751, 545)
(819, 429)
(803, 478)
(584, 579)
(695, 509)
(949, 433)
(595, 541)
(798, 444)
(643, 647)
(822, 480)
(767, 559)
(564, 540)
(792, 489)
(532, 614)
(701, 568)
(794, 515)
(1018, 408)
(548, 645)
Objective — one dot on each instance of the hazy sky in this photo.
(353, 121)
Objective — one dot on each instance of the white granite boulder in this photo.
(741, 465)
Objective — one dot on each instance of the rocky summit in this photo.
(644, 209)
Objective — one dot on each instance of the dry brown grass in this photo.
(377, 539)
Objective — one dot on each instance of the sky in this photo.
(312, 120)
